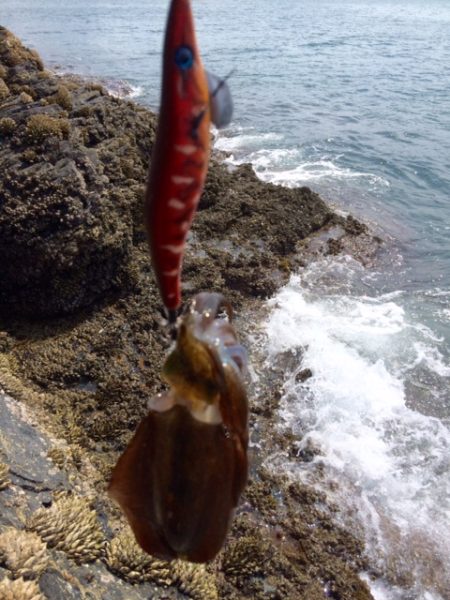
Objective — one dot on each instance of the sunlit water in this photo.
(352, 99)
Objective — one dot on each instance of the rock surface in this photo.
(72, 161)
(82, 343)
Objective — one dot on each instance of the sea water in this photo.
(351, 98)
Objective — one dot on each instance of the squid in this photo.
(180, 478)
(191, 99)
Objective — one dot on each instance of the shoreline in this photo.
(81, 343)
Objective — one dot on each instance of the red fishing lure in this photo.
(182, 148)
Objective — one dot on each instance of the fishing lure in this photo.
(190, 99)
(181, 476)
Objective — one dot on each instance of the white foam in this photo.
(243, 139)
(291, 167)
(123, 89)
(392, 462)
(432, 358)
(314, 171)
(119, 88)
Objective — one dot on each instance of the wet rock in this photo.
(303, 375)
(353, 226)
(245, 206)
(55, 586)
(25, 450)
(334, 247)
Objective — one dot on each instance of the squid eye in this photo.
(184, 57)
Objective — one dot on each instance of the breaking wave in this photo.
(373, 364)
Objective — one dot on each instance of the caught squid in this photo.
(180, 478)
(191, 99)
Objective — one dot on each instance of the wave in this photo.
(291, 167)
(243, 139)
(386, 462)
(119, 88)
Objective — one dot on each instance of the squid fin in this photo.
(220, 101)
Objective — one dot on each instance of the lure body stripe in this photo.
(180, 154)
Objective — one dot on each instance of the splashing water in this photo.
(391, 462)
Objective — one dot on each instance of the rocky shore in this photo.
(82, 343)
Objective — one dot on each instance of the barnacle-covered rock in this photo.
(4, 90)
(66, 224)
(4, 479)
(7, 125)
(14, 54)
(63, 98)
(126, 558)
(260, 495)
(19, 589)
(246, 556)
(23, 553)
(194, 580)
(72, 526)
(39, 127)
(58, 457)
(66, 457)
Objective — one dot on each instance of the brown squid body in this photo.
(181, 476)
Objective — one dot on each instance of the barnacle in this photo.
(39, 127)
(74, 434)
(4, 479)
(15, 53)
(259, 494)
(63, 421)
(4, 90)
(76, 455)
(23, 553)
(58, 457)
(19, 589)
(7, 125)
(25, 98)
(246, 556)
(63, 97)
(126, 558)
(105, 428)
(70, 525)
(194, 580)
(66, 456)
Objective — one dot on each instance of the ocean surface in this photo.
(351, 98)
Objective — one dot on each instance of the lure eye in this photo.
(184, 58)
